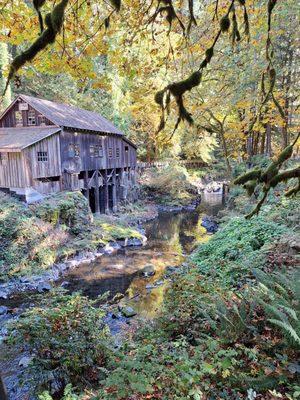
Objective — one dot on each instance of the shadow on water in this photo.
(171, 237)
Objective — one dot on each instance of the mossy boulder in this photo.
(66, 208)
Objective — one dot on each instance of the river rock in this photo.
(135, 241)
(70, 264)
(209, 224)
(150, 287)
(170, 269)
(3, 310)
(148, 270)
(111, 247)
(44, 287)
(128, 311)
(3, 294)
(25, 361)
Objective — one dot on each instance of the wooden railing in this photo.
(165, 163)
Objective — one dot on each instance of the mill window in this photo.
(74, 150)
(42, 119)
(31, 118)
(19, 118)
(96, 150)
(126, 149)
(42, 156)
(118, 153)
(110, 152)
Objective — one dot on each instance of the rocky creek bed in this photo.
(138, 272)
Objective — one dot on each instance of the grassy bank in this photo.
(33, 237)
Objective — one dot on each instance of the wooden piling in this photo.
(97, 194)
(106, 198)
(86, 185)
(114, 191)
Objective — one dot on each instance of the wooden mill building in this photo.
(46, 147)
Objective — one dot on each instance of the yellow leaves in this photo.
(226, 373)
(101, 85)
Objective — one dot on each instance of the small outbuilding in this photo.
(47, 147)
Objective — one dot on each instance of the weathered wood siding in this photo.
(44, 169)
(13, 172)
(116, 152)
(9, 119)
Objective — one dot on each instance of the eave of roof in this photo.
(17, 139)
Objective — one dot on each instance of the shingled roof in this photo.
(17, 139)
(70, 116)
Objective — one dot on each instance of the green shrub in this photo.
(67, 338)
(230, 254)
(69, 394)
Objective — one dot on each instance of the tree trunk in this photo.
(262, 143)
(268, 140)
(225, 151)
(287, 86)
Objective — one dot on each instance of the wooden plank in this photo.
(86, 187)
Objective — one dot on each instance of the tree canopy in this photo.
(221, 72)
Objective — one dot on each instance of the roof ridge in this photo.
(72, 116)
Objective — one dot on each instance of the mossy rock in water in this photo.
(148, 270)
(128, 311)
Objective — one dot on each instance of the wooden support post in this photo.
(106, 199)
(97, 195)
(86, 187)
(114, 191)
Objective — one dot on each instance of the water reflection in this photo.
(170, 238)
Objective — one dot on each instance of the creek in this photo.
(171, 238)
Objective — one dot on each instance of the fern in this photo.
(286, 327)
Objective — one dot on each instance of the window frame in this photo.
(42, 156)
(31, 118)
(110, 152)
(42, 119)
(75, 152)
(118, 152)
(96, 150)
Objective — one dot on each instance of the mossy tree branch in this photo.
(270, 177)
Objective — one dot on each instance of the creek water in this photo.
(171, 237)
